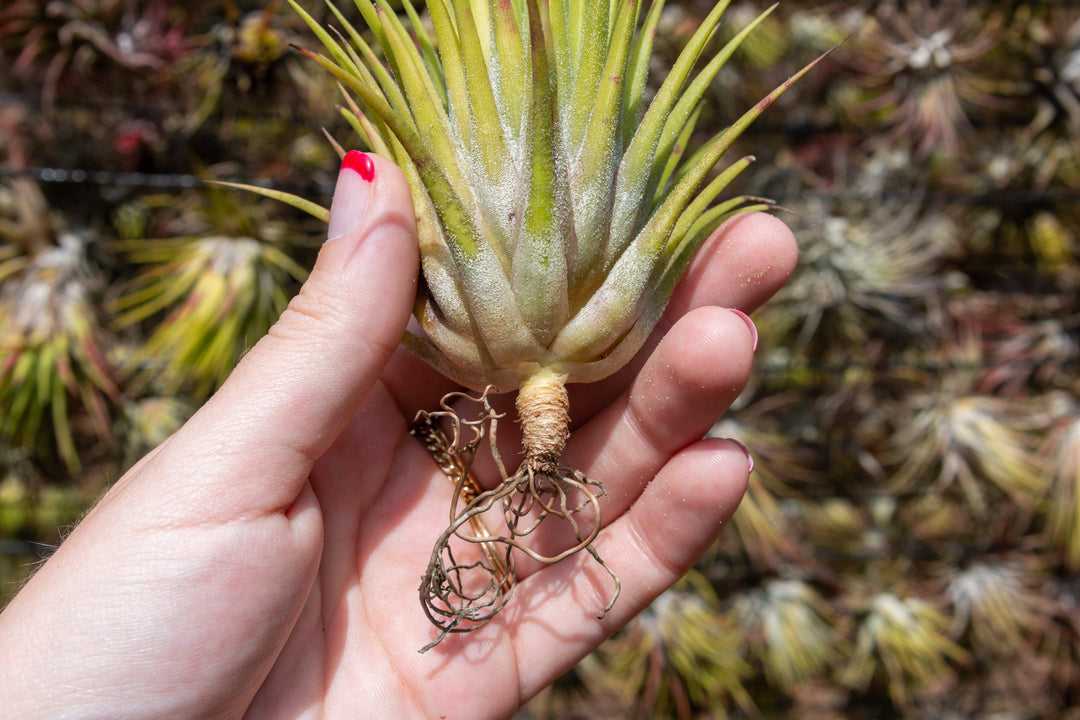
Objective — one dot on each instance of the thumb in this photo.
(294, 391)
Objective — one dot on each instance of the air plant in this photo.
(762, 59)
(680, 656)
(789, 627)
(995, 605)
(556, 211)
(220, 293)
(905, 641)
(51, 352)
(821, 22)
(980, 443)
(920, 62)
(1021, 343)
(868, 267)
(51, 341)
(216, 292)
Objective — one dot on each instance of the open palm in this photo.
(266, 559)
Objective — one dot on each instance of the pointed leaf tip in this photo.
(315, 210)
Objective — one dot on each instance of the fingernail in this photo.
(749, 323)
(352, 194)
(749, 457)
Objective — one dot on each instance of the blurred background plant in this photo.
(679, 655)
(911, 533)
(215, 283)
(903, 644)
(52, 356)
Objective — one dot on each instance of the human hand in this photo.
(265, 559)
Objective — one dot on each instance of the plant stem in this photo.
(543, 412)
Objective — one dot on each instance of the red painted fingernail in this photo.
(352, 194)
(749, 323)
(360, 163)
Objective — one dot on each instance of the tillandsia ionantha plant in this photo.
(52, 352)
(556, 210)
(53, 363)
(216, 287)
(680, 654)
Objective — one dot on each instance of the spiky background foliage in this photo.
(904, 643)
(52, 353)
(218, 283)
(680, 654)
(914, 413)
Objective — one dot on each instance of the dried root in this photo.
(459, 595)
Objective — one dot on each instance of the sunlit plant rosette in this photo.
(905, 641)
(681, 657)
(212, 290)
(556, 210)
(52, 358)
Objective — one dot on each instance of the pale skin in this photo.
(264, 561)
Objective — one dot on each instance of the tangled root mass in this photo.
(462, 589)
